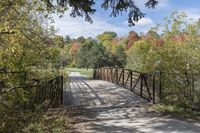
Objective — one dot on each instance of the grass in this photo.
(86, 72)
(177, 112)
(53, 121)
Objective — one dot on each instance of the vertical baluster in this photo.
(160, 86)
(108, 74)
(111, 74)
(123, 77)
(97, 73)
(131, 80)
(102, 74)
(116, 75)
(154, 87)
(62, 87)
(141, 86)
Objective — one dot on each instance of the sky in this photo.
(76, 27)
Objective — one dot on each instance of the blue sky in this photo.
(76, 27)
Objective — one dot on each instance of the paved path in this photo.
(108, 108)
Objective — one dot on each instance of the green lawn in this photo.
(86, 72)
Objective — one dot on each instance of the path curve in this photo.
(108, 108)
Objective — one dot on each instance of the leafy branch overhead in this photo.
(84, 8)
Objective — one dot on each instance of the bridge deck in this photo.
(113, 109)
(97, 93)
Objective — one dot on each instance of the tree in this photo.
(67, 39)
(26, 45)
(106, 39)
(113, 45)
(132, 37)
(120, 57)
(73, 52)
(85, 8)
(106, 36)
(81, 39)
(102, 57)
(122, 42)
(92, 55)
(83, 58)
(143, 57)
(59, 41)
(154, 38)
(151, 34)
(174, 51)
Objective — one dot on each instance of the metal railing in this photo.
(139, 83)
(49, 90)
(182, 89)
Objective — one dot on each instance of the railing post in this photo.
(109, 74)
(160, 86)
(154, 87)
(100, 70)
(131, 78)
(116, 75)
(103, 74)
(112, 75)
(104, 71)
(107, 78)
(97, 73)
(123, 77)
(62, 80)
(94, 73)
(141, 85)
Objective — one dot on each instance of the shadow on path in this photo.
(108, 108)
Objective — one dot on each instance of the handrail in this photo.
(135, 81)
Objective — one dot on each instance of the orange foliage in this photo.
(132, 37)
(114, 45)
(75, 47)
(154, 38)
(179, 38)
(159, 42)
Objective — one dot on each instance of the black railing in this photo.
(170, 88)
(50, 91)
(139, 83)
(47, 92)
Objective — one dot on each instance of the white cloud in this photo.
(76, 27)
(163, 4)
(142, 26)
(144, 21)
